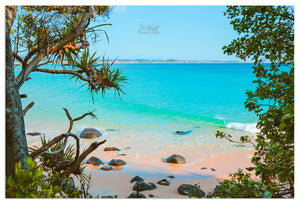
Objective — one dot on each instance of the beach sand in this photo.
(118, 183)
(202, 168)
(152, 168)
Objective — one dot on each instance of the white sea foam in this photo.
(248, 127)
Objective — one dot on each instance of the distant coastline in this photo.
(168, 61)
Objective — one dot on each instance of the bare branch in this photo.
(23, 95)
(84, 115)
(30, 54)
(71, 120)
(53, 71)
(82, 156)
(43, 63)
(43, 149)
(47, 146)
(70, 72)
(27, 108)
(17, 57)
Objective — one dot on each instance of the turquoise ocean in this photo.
(160, 99)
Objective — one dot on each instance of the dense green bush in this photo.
(266, 36)
(31, 183)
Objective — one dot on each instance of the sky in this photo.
(176, 32)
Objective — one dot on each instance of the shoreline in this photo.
(207, 168)
(117, 181)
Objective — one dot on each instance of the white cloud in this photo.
(119, 9)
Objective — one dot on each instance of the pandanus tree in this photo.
(48, 35)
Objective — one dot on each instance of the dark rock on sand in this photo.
(107, 196)
(121, 154)
(90, 133)
(136, 178)
(136, 195)
(151, 195)
(111, 149)
(142, 186)
(184, 189)
(203, 168)
(212, 169)
(106, 168)
(176, 159)
(171, 177)
(183, 132)
(95, 161)
(117, 162)
(164, 182)
(34, 133)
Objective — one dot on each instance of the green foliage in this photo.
(242, 186)
(62, 34)
(267, 37)
(32, 183)
(29, 183)
(37, 26)
(67, 155)
(103, 78)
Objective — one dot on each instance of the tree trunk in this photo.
(16, 143)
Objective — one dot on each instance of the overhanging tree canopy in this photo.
(39, 35)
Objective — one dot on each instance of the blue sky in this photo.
(184, 33)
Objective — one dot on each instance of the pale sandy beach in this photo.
(153, 168)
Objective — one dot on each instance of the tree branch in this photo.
(17, 57)
(43, 149)
(82, 156)
(71, 120)
(53, 71)
(42, 53)
(71, 72)
(39, 151)
(27, 108)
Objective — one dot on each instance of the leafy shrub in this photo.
(242, 186)
(30, 183)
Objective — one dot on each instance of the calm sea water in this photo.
(160, 99)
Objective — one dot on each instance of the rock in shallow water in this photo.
(176, 159)
(106, 168)
(179, 132)
(117, 162)
(184, 189)
(90, 133)
(95, 161)
(164, 182)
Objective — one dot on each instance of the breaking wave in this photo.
(248, 127)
